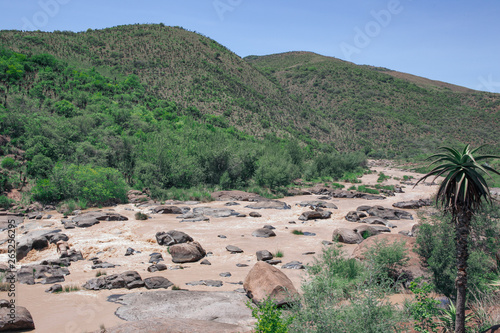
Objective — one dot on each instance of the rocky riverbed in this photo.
(125, 269)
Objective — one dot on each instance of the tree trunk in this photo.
(462, 228)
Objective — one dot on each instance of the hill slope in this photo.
(389, 111)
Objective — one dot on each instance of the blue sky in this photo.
(453, 41)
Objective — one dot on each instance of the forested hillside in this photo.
(84, 116)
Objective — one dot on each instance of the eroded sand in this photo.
(84, 311)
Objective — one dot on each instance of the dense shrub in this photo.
(9, 163)
(94, 185)
(341, 296)
(5, 202)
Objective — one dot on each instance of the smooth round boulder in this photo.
(263, 232)
(265, 281)
(347, 236)
(187, 252)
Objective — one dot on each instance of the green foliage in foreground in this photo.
(269, 317)
(343, 295)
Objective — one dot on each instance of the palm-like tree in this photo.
(461, 193)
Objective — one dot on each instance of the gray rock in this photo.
(53, 279)
(157, 282)
(268, 226)
(214, 212)
(205, 262)
(155, 258)
(264, 255)
(377, 220)
(273, 261)
(347, 236)
(263, 232)
(269, 204)
(103, 265)
(167, 209)
(293, 265)
(352, 216)
(241, 265)
(412, 204)
(172, 237)
(129, 280)
(157, 267)
(87, 222)
(234, 249)
(254, 214)
(54, 289)
(59, 237)
(221, 307)
(208, 283)
(315, 214)
(21, 321)
(225, 274)
(187, 252)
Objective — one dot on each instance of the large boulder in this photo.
(22, 319)
(157, 282)
(317, 204)
(389, 214)
(315, 214)
(36, 239)
(187, 252)
(268, 204)
(366, 231)
(264, 255)
(99, 216)
(215, 306)
(347, 236)
(352, 216)
(214, 212)
(263, 232)
(265, 281)
(167, 209)
(172, 237)
(412, 204)
(236, 196)
(128, 279)
(173, 325)
(377, 220)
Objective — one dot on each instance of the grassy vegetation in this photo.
(279, 254)
(297, 232)
(378, 113)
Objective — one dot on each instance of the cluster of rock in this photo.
(412, 204)
(39, 240)
(48, 272)
(89, 219)
(128, 279)
(136, 197)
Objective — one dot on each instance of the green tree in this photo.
(461, 194)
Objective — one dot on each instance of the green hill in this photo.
(391, 113)
(164, 108)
